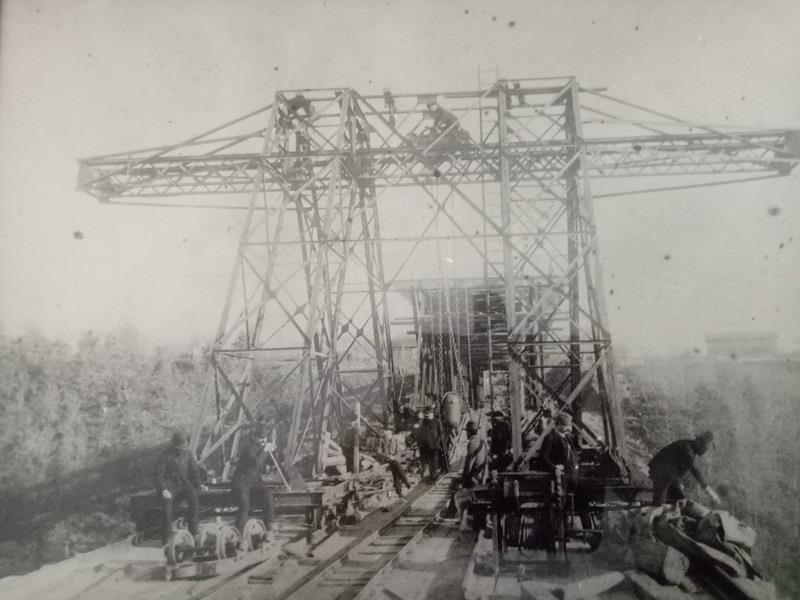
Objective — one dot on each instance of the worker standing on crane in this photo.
(428, 442)
(178, 479)
(475, 463)
(391, 107)
(348, 445)
(672, 462)
(247, 484)
(500, 441)
(558, 453)
(299, 103)
(388, 450)
(474, 473)
(443, 119)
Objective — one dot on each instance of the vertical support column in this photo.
(515, 389)
(369, 247)
(373, 264)
(573, 233)
(605, 374)
(320, 295)
(229, 415)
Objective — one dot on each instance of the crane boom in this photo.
(507, 168)
(138, 175)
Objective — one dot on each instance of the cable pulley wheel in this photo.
(228, 542)
(180, 547)
(207, 536)
(254, 535)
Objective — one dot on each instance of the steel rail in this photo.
(362, 573)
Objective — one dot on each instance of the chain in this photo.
(457, 348)
(440, 336)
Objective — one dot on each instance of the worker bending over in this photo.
(387, 450)
(672, 462)
(443, 119)
(474, 473)
(178, 479)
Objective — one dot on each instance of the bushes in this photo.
(753, 409)
(79, 430)
(64, 409)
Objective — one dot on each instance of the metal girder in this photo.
(111, 178)
(507, 168)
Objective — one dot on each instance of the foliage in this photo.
(79, 428)
(62, 409)
(753, 409)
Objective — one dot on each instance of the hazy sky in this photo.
(80, 78)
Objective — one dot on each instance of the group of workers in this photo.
(178, 475)
(178, 478)
(559, 454)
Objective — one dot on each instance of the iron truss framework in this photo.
(505, 170)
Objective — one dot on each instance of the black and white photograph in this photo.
(399, 300)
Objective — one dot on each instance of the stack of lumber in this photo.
(667, 540)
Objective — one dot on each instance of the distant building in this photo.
(742, 345)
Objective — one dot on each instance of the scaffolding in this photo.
(346, 198)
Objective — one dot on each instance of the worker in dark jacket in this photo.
(296, 104)
(672, 462)
(178, 479)
(558, 450)
(247, 483)
(428, 442)
(500, 441)
(354, 431)
(443, 119)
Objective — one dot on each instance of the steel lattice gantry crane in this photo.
(507, 168)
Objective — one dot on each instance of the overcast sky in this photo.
(81, 78)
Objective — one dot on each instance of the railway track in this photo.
(341, 565)
(401, 549)
(344, 573)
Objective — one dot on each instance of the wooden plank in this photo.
(648, 588)
(663, 562)
(475, 585)
(585, 589)
(590, 587)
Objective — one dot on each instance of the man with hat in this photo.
(558, 451)
(353, 432)
(672, 462)
(387, 450)
(178, 479)
(428, 442)
(246, 482)
(500, 441)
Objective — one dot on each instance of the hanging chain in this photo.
(440, 340)
(457, 348)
